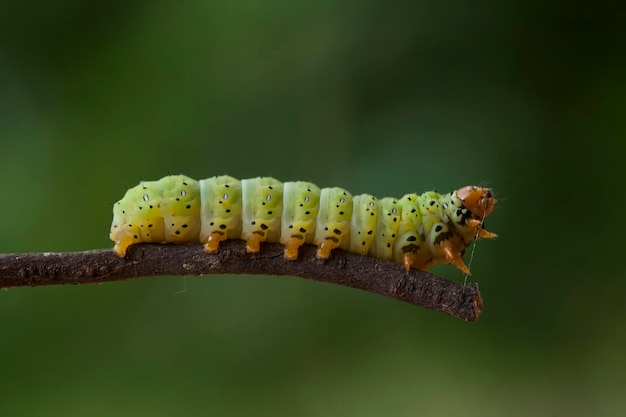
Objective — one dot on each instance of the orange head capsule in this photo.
(478, 200)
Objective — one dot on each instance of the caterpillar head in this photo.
(478, 200)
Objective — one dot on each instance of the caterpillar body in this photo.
(417, 231)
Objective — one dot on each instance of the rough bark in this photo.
(143, 260)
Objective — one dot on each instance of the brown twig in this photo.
(142, 260)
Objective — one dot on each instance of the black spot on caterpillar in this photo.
(417, 231)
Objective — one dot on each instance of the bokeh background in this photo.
(380, 97)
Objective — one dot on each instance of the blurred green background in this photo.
(386, 98)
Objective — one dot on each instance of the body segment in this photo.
(417, 231)
(333, 221)
(363, 223)
(300, 210)
(220, 217)
(160, 211)
(262, 206)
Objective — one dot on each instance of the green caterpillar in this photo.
(417, 231)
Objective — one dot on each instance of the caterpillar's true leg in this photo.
(291, 248)
(324, 249)
(485, 234)
(253, 244)
(213, 242)
(453, 256)
(479, 231)
(123, 240)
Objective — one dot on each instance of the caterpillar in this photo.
(417, 231)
